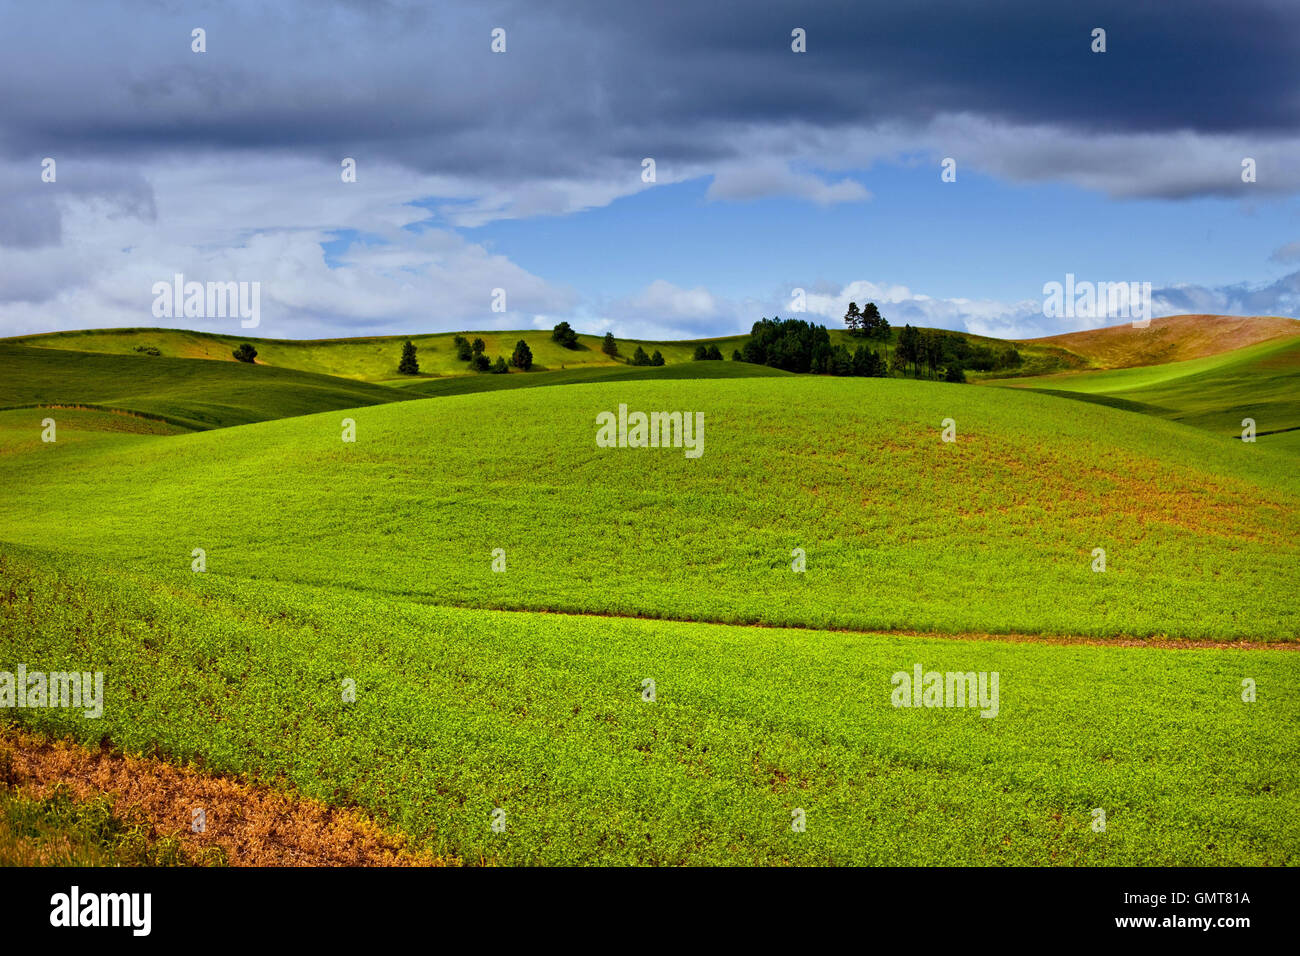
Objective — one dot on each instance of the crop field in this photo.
(460, 712)
(998, 534)
(473, 608)
(375, 359)
(1217, 392)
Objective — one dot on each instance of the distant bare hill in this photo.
(1171, 339)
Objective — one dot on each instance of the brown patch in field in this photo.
(1173, 338)
(255, 826)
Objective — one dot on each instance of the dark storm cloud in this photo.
(588, 84)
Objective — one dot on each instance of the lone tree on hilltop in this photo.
(408, 365)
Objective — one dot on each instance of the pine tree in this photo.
(522, 357)
(408, 365)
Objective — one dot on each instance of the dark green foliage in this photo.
(148, 350)
(853, 319)
(639, 357)
(464, 351)
(565, 336)
(790, 344)
(478, 346)
(481, 362)
(499, 367)
(522, 357)
(245, 353)
(609, 346)
(408, 365)
(657, 359)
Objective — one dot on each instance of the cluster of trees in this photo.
(565, 336)
(708, 353)
(245, 353)
(946, 355)
(866, 322)
(799, 346)
(640, 358)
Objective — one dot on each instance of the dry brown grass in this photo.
(255, 826)
(1173, 338)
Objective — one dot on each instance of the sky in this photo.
(509, 188)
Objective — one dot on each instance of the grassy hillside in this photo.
(460, 712)
(1174, 338)
(190, 394)
(371, 359)
(901, 530)
(466, 384)
(374, 359)
(1215, 393)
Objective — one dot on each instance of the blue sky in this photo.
(521, 170)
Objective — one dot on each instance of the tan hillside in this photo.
(1172, 338)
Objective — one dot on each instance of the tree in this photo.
(481, 362)
(523, 356)
(463, 350)
(701, 353)
(499, 367)
(853, 319)
(609, 346)
(408, 365)
(736, 356)
(657, 359)
(954, 373)
(1009, 358)
(639, 357)
(245, 353)
(478, 346)
(908, 348)
(565, 336)
(714, 354)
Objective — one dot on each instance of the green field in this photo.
(372, 562)
(1217, 392)
(460, 712)
(374, 359)
(190, 394)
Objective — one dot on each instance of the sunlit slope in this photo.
(375, 358)
(1173, 338)
(995, 532)
(372, 359)
(465, 384)
(1260, 382)
(191, 394)
(459, 712)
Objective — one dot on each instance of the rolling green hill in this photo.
(331, 570)
(902, 531)
(1216, 392)
(191, 394)
(374, 359)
